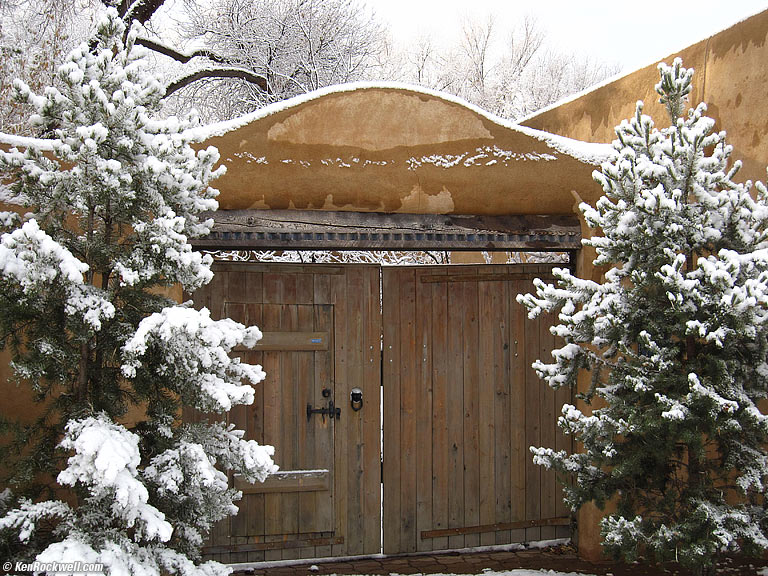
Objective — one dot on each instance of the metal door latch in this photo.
(331, 411)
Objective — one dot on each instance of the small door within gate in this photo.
(321, 327)
(461, 407)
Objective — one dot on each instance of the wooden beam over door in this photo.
(324, 230)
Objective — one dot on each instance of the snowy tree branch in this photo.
(240, 73)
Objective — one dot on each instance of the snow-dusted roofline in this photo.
(588, 152)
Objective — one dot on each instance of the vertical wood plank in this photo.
(305, 287)
(423, 409)
(308, 456)
(322, 287)
(471, 413)
(324, 430)
(272, 286)
(502, 379)
(324, 377)
(339, 297)
(289, 412)
(391, 424)
(353, 421)
(272, 415)
(456, 306)
(371, 412)
(255, 431)
(289, 282)
(440, 447)
(487, 321)
(517, 408)
(254, 288)
(408, 398)
(532, 428)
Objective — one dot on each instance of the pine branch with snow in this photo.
(676, 340)
(110, 199)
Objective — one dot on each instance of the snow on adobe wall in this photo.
(396, 148)
(584, 151)
(730, 74)
(392, 148)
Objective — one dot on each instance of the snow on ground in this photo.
(478, 549)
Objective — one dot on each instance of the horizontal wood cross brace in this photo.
(560, 521)
(285, 341)
(324, 230)
(277, 545)
(480, 277)
(287, 481)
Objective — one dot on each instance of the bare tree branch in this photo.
(144, 9)
(241, 73)
(295, 45)
(181, 57)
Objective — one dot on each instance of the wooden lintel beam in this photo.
(322, 230)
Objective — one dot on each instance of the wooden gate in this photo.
(322, 327)
(461, 407)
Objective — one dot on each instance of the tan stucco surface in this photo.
(730, 75)
(394, 150)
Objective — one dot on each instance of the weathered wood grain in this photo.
(463, 406)
(320, 324)
(328, 230)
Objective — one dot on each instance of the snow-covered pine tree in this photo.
(675, 339)
(113, 193)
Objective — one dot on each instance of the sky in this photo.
(631, 34)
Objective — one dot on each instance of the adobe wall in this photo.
(731, 75)
(390, 148)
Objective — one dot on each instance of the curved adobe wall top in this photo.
(392, 148)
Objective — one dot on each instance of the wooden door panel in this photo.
(303, 447)
(462, 405)
(322, 327)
